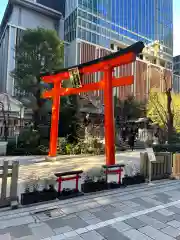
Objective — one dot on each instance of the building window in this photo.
(70, 26)
(112, 46)
(19, 35)
(19, 16)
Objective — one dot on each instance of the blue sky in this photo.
(176, 7)
(3, 4)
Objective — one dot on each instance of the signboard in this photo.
(75, 77)
(151, 155)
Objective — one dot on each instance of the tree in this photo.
(128, 109)
(40, 50)
(164, 109)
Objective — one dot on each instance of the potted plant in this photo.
(88, 185)
(51, 184)
(138, 178)
(131, 180)
(94, 181)
(48, 192)
(31, 193)
(101, 181)
(67, 193)
(113, 185)
(127, 180)
(101, 184)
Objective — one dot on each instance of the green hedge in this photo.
(174, 148)
(25, 151)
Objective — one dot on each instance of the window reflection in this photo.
(145, 20)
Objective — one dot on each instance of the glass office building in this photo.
(93, 28)
(103, 21)
(176, 65)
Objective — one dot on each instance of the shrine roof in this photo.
(135, 48)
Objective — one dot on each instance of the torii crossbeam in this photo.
(106, 65)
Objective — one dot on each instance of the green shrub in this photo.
(28, 144)
(11, 146)
(28, 137)
(167, 148)
(27, 151)
(93, 146)
(69, 148)
(61, 147)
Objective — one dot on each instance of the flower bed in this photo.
(131, 180)
(37, 190)
(38, 196)
(114, 185)
(67, 193)
(94, 181)
(93, 186)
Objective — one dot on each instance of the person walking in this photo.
(123, 134)
(131, 140)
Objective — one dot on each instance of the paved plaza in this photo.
(37, 165)
(136, 212)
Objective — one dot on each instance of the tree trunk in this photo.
(5, 131)
(170, 116)
(36, 116)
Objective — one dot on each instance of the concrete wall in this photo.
(72, 53)
(4, 60)
(22, 18)
(61, 29)
(27, 18)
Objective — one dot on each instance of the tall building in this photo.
(176, 65)
(53, 4)
(94, 28)
(176, 83)
(176, 74)
(20, 15)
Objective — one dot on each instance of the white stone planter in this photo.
(3, 148)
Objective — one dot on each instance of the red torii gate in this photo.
(106, 65)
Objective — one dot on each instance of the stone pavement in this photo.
(28, 160)
(138, 212)
(66, 163)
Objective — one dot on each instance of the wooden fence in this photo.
(176, 166)
(9, 171)
(162, 168)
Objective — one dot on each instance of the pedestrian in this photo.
(131, 140)
(123, 134)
